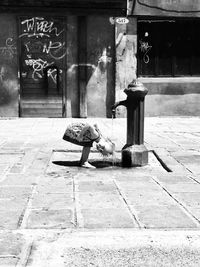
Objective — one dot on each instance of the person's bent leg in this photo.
(84, 158)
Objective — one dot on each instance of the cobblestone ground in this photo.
(45, 196)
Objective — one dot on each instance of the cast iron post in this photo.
(134, 153)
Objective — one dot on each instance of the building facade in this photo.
(70, 58)
(57, 57)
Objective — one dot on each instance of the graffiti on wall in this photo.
(145, 47)
(9, 49)
(8, 80)
(39, 27)
(44, 46)
(38, 66)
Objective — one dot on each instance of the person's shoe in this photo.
(87, 165)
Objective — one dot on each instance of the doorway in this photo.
(42, 59)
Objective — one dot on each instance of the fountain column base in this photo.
(135, 155)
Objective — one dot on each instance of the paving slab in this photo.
(52, 201)
(182, 187)
(11, 244)
(132, 185)
(88, 175)
(190, 159)
(3, 170)
(172, 164)
(47, 219)
(188, 198)
(147, 198)
(13, 204)
(10, 219)
(128, 175)
(195, 211)
(8, 261)
(100, 200)
(10, 157)
(18, 179)
(171, 178)
(108, 218)
(95, 186)
(54, 185)
(166, 216)
(15, 191)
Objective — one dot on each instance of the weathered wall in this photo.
(100, 69)
(126, 47)
(8, 66)
(175, 8)
(98, 60)
(172, 96)
(72, 94)
(99, 64)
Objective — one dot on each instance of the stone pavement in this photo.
(50, 207)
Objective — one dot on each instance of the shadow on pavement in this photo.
(96, 163)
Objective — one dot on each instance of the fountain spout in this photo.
(119, 103)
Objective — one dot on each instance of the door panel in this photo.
(42, 60)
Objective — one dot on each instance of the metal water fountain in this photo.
(134, 153)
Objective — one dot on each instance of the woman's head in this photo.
(105, 146)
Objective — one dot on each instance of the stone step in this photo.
(41, 112)
(41, 107)
(54, 105)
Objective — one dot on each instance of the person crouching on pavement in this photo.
(84, 134)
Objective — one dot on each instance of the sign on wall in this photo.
(122, 20)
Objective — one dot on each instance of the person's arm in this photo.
(95, 133)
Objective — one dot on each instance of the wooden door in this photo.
(42, 60)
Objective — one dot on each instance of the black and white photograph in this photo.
(99, 133)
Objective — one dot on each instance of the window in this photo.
(168, 48)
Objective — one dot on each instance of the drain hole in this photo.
(104, 163)
(162, 163)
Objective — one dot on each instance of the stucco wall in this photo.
(8, 67)
(126, 63)
(71, 90)
(99, 63)
(172, 96)
(173, 8)
(100, 70)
